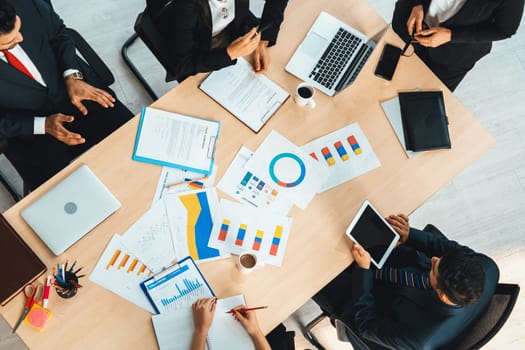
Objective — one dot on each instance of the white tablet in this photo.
(372, 232)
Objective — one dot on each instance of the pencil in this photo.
(247, 309)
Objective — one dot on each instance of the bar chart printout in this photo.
(178, 286)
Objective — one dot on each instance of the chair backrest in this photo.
(347, 334)
(486, 327)
(147, 28)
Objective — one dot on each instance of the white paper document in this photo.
(252, 98)
(176, 140)
(345, 153)
(191, 216)
(177, 180)
(149, 238)
(249, 188)
(239, 228)
(121, 272)
(392, 111)
(287, 167)
(174, 331)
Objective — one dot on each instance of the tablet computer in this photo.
(372, 232)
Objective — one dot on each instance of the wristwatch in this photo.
(75, 75)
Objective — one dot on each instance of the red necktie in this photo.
(15, 63)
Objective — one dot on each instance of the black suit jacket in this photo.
(409, 318)
(187, 27)
(52, 51)
(477, 24)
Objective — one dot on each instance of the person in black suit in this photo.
(429, 291)
(451, 36)
(52, 105)
(206, 35)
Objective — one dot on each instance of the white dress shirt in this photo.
(440, 11)
(39, 126)
(222, 14)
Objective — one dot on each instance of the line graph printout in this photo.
(150, 238)
(176, 287)
(121, 272)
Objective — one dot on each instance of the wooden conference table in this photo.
(317, 249)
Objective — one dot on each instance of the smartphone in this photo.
(388, 62)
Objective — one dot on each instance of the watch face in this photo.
(76, 75)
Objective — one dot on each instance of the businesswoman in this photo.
(206, 35)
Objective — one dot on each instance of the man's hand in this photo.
(361, 256)
(400, 224)
(415, 20)
(261, 57)
(244, 45)
(203, 312)
(434, 37)
(54, 127)
(78, 91)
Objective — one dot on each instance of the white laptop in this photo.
(331, 55)
(71, 209)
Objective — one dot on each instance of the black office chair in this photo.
(474, 337)
(147, 29)
(99, 67)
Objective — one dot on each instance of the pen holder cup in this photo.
(69, 288)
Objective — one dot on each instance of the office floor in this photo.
(482, 207)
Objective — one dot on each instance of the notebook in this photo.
(331, 55)
(175, 330)
(71, 209)
(23, 264)
(425, 123)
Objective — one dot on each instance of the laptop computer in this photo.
(331, 55)
(71, 209)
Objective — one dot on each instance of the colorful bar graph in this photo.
(260, 185)
(123, 262)
(246, 178)
(313, 155)
(132, 265)
(355, 146)
(276, 240)
(341, 151)
(258, 240)
(113, 259)
(240, 234)
(328, 156)
(224, 230)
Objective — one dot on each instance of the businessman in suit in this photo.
(451, 36)
(52, 105)
(428, 292)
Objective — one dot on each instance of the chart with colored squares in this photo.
(121, 272)
(239, 228)
(346, 153)
(287, 167)
(247, 187)
(190, 215)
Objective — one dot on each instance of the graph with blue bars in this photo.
(189, 287)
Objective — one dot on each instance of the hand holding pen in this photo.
(248, 319)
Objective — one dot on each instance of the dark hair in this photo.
(7, 17)
(461, 276)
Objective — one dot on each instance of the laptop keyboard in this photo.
(336, 56)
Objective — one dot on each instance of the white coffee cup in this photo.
(248, 262)
(304, 95)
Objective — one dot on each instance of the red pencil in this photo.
(243, 310)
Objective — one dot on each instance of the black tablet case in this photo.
(20, 265)
(425, 124)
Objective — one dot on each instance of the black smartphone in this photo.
(388, 62)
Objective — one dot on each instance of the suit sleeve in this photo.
(429, 243)
(60, 41)
(369, 323)
(187, 59)
(273, 14)
(503, 24)
(14, 124)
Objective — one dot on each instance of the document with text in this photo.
(176, 140)
(251, 98)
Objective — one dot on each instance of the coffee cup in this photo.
(304, 95)
(247, 262)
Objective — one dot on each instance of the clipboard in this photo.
(179, 285)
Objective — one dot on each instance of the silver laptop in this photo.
(331, 56)
(71, 209)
